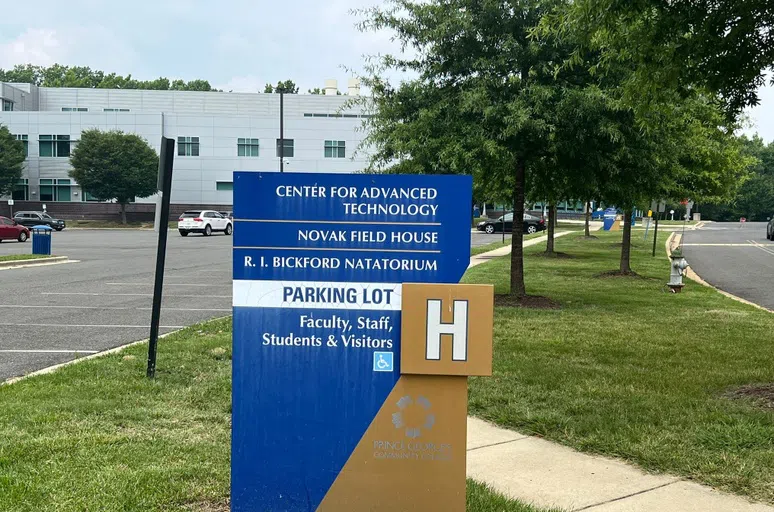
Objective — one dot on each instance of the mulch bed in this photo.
(527, 301)
(761, 395)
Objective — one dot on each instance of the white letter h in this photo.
(458, 329)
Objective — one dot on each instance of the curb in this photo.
(673, 241)
(36, 261)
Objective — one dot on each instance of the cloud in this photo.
(34, 46)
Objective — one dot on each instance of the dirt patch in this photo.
(761, 395)
(528, 301)
(618, 273)
(555, 255)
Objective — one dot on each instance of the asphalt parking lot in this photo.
(56, 313)
(52, 314)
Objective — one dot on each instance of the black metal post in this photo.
(655, 235)
(166, 158)
(282, 131)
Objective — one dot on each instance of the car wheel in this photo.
(531, 230)
(489, 229)
(229, 229)
(207, 230)
(23, 236)
(59, 229)
(183, 233)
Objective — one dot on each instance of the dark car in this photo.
(532, 224)
(31, 219)
(12, 230)
(770, 229)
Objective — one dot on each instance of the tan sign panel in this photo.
(446, 329)
(412, 457)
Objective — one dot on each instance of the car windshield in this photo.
(46, 216)
(190, 215)
(508, 217)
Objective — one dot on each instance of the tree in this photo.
(481, 88)
(11, 161)
(723, 47)
(316, 90)
(58, 75)
(114, 166)
(287, 86)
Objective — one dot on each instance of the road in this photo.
(736, 259)
(52, 314)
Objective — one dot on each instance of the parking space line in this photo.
(135, 295)
(201, 285)
(102, 326)
(49, 351)
(112, 308)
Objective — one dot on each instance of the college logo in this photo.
(421, 417)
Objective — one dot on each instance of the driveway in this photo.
(736, 259)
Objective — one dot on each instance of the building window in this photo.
(289, 150)
(335, 149)
(54, 145)
(188, 146)
(7, 106)
(55, 189)
(75, 109)
(21, 191)
(115, 110)
(224, 186)
(26, 142)
(247, 147)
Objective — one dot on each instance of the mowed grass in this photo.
(98, 435)
(481, 498)
(21, 257)
(627, 369)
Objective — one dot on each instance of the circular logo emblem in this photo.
(414, 427)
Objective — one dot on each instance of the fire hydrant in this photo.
(677, 270)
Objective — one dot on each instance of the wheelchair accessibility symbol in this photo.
(383, 361)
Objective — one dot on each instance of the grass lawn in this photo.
(628, 370)
(99, 433)
(481, 498)
(20, 257)
(496, 245)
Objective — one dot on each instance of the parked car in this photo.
(12, 230)
(204, 222)
(31, 219)
(532, 224)
(770, 229)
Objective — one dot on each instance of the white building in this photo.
(216, 133)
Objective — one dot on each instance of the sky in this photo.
(237, 45)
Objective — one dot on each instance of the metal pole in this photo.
(166, 158)
(655, 235)
(282, 130)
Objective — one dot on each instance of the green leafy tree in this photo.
(11, 161)
(58, 75)
(477, 104)
(316, 90)
(722, 46)
(114, 166)
(286, 86)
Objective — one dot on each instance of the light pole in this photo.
(282, 130)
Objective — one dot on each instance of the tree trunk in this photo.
(626, 243)
(588, 219)
(123, 213)
(517, 240)
(551, 228)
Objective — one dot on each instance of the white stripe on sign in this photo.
(317, 295)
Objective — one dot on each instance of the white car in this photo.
(204, 222)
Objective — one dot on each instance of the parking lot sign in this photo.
(319, 264)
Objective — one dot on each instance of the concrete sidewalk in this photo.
(548, 475)
(503, 251)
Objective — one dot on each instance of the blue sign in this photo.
(319, 260)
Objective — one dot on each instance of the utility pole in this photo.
(282, 130)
